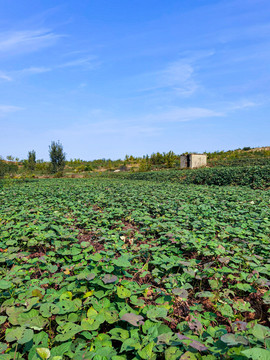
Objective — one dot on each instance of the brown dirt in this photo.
(91, 237)
(36, 255)
(261, 309)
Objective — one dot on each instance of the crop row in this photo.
(254, 177)
(248, 161)
(113, 269)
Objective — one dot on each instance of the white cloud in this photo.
(257, 32)
(100, 123)
(33, 70)
(178, 114)
(242, 104)
(5, 77)
(6, 109)
(26, 41)
(88, 61)
(177, 77)
(108, 127)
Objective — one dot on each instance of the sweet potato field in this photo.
(127, 269)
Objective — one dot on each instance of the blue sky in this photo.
(110, 78)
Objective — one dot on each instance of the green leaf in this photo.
(105, 352)
(245, 287)
(173, 353)
(257, 354)
(31, 302)
(13, 314)
(226, 310)
(157, 312)
(61, 350)
(122, 261)
(3, 347)
(147, 351)
(32, 319)
(135, 301)
(205, 294)
(182, 293)
(165, 338)
(119, 334)
(130, 344)
(66, 306)
(111, 316)
(214, 284)
(4, 285)
(52, 268)
(48, 309)
(44, 353)
(19, 334)
(69, 330)
(261, 332)
(2, 319)
(188, 356)
(232, 339)
(91, 322)
(123, 292)
(41, 338)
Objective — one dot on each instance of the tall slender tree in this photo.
(31, 160)
(57, 156)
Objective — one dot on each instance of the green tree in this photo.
(10, 158)
(32, 160)
(57, 156)
(170, 158)
(7, 168)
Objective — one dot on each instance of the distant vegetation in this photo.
(244, 157)
(58, 166)
(57, 157)
(7, 168)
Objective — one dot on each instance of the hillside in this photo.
(156, 161)
(240, 157)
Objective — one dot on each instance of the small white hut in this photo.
(193, 161)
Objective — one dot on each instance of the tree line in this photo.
(56, 164)
(166, 160)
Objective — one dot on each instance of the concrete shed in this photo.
(193, 161)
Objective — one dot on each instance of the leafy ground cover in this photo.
(119, 269)
(257, 177)
(244, 157)
(243, 161)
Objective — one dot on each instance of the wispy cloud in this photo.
(179, 114)
(34, 70)
(5, 77)
(177, 77)
(114, 127)
(89, 62)
(98, 122)
(242, 104)
(6, 109)
(26, 40)
(257, 31)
